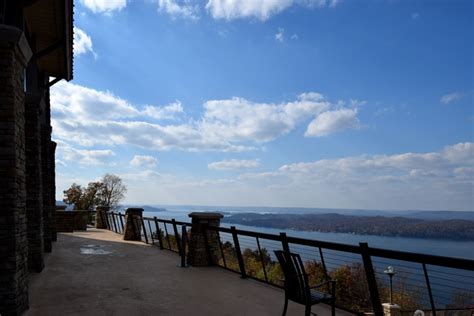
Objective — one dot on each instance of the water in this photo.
(447, 248)
(445, 282)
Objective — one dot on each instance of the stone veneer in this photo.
(65, 221)
(198, 254)
(14, 56)
(52, 187)
(133, 224)
(34, 182)
(101, 217)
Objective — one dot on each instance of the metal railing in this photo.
(438, 285)
(163, 233)
(431, 283)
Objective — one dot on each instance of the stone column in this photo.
(101, 217)
(14, 56)
(45, 168)
(391, 309)
(198, 254)
(52, 188)
(133, 224)
(34, 182)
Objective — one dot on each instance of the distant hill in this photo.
(146, 208)
(455, 229)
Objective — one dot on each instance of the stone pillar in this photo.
(133, 224)
(34, 182)
(45, 168)
(81, 218)
(14, 56)
(391, 309)
(101, 217)
(198, 254)
(52, 188)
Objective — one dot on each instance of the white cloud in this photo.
(280, 35)
(260, 9)
(183, 9)
(426, 180)
(83, 156)
(238, 119)
(451, 97)
(432, 180)
(443, 162)
(82, 42)
(90, 117)
(330, 122)
(144, 161)
(165, 112)
(104, 6)
(233, 164)
(294, 37)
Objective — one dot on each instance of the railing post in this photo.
(101, 217)
(158, 232)
(372, 282)
(176, 235)
(284, 242)
(183, 246)
(107, 220)
(222, 250)
(167, 236)
(428, 286)
(115, 224)
(203, 244)
(132, 225)
(261, 259)
(151, 232)
(144, 230)
(121, 222)
(238, 252)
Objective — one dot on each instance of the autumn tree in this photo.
(108, 192)
(112, 191)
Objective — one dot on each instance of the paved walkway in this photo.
(97, 273)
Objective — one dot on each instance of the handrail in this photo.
(165, 234)
(450, 262)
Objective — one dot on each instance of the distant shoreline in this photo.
(453, 229)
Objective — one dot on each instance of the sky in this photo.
(291, 103)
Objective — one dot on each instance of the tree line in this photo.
(456, 229)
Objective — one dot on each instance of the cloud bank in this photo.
(88, 117)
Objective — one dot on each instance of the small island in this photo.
(455, 229)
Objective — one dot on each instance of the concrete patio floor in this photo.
(97, 273)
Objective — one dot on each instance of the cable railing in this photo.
(435, 284)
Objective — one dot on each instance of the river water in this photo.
(448, 248)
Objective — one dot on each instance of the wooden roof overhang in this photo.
(50, 30)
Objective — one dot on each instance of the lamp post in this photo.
(390, 272)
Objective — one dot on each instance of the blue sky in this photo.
(309, 103)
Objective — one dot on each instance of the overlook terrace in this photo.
(132, 278)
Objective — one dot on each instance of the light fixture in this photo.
(390, 271)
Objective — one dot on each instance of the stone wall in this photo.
(52, 186)
(47, 182)
(14, 56)
(65, 221)
(34, 182)
(81, 218)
